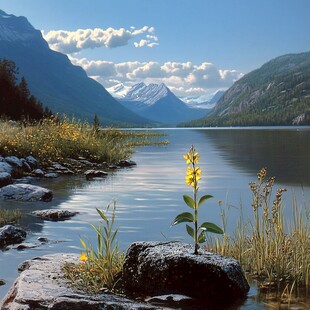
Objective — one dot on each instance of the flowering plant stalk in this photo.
(193, 176)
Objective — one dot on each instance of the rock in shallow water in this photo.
(10, 234)
(157, 268)
(54, 214)
(26, 192)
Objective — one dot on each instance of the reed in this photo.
(271, 250)
(100, 266)
(9, 216)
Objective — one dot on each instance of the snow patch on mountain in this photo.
(148, 94)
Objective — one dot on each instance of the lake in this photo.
(149, 195)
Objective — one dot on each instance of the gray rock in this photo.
(126, 163)
(2, 282)
(38, 173)
(26, 166)
(51, 175)
(10, 234)
(43, 239)
(154, 268)
(54, 214)
(5, 179)
(1, 158)
(32, 162)
(89, 174)
(5, 167)
(26, 245)
(14, 161)
(61, 169)
(41, 285)
(26, 192)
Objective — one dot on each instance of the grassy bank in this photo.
(273, 250)
(54, 139)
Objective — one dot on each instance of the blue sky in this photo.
(194, 46)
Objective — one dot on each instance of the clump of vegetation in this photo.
(9, 216)
(272, 250)
(58, 138)
(99, 267)
(193, 175)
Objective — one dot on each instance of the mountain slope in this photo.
(158, 103)
(278, 93)
(51, 77)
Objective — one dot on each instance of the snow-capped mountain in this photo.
(52, 78)
(156, 102)
(119, 90)
(202, 102)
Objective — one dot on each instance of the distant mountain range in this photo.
(51, 77)
(155, 102)
(278, 93)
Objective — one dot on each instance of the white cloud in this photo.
(184, 78)
(69, 42)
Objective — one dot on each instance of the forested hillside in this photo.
(278, 93)
(16, 102)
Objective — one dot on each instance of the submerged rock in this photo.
(126, 163)
(42, 285)
(26, 192)
(10, 234)
(90, 174)
(54, 214)
(155, 268)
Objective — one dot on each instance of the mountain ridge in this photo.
(158, 103)
(277, 93)
(53, 79)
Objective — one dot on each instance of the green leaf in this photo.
(203, 199)
(183, 217)
(189, 201)
(202, 237)
(190, 231)
(102, 215)
(211, 227)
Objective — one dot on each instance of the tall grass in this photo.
(100, 265)
(9, 216)
(58, 138)
(272, 250)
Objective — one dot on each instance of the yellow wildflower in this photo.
(187, 157)
(83, 257)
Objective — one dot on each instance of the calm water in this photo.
(149, 195)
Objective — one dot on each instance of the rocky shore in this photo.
(156, 275)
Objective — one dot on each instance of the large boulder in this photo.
(26, 192)
(10, 234)
(42, 285)
(157, 268)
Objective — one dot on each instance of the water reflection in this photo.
(284, 151)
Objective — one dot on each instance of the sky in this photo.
(195, 47)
